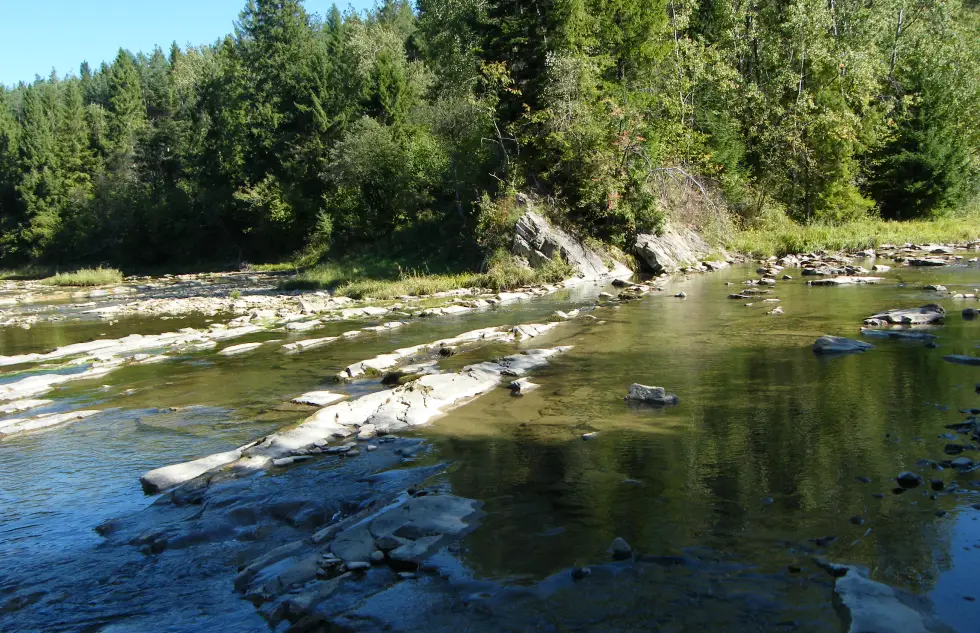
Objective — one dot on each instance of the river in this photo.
(770, 450)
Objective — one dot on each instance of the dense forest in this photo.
(306, 133)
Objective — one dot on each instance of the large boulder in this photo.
(536, 240)
(671, 250)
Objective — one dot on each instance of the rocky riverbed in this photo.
(470, 463)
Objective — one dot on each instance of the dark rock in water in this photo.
(954, 449)
(864, 480)
(681, 295)
(941, 513)
(579, 573)
(768, 501)
(651, 395)
(960, 359)
(932, 345)
(793, 569)
(620, 549)
(825, 541)
(899, 491)
(970, 313)
(877, 495)
(937, 484)
(839, 345)
(909, 480)
(857, 520)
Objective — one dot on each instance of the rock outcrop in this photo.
(536, 240)
(671, 250)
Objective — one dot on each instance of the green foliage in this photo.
(303, 138)
(86, 277)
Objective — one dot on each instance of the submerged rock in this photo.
(620, 549)
(909, 480)
(839, 345)
(651, 395)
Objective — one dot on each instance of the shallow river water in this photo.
(767, 452)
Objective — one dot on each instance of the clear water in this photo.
(761, 456)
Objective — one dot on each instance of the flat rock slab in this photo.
(319, 398)
(845, 281)
(839, 345)
(25, 425)
(235, 350)
(925, 315)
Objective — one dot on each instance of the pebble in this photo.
(857, 520)
(787, 277)
(590, 436)
(937, 484)
(354, 452)
(681, 295)
(377, 557)
(371, 448)
(864, 480)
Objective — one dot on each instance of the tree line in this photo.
(300, 132)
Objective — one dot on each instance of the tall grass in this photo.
(347, 280)
(783, 236)
(86, 277)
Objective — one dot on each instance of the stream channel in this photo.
(733, 492)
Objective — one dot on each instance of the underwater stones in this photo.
(839, 345)
(651, 395)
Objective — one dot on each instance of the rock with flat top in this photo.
(651, 395)
(839, 345)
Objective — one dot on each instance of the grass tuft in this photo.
(783, 236)
(86, 277)
(347, 280)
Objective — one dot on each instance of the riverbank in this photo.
(781, 236)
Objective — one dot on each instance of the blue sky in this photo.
(38, 35)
